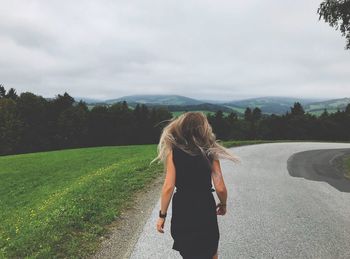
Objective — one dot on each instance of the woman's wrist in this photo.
(162, 215)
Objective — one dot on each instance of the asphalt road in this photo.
(275, 210)
(321, 165)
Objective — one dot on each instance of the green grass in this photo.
(236, 143)
(346, 160)
(56, 204)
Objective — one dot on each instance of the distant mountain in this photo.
(269, 104)
(331, 105)
(197, 107)
(87, 100)
(212, 101)
(156, 99)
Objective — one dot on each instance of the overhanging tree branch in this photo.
(337, 14)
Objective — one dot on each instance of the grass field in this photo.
(347, 166)
(57, 204)
(236, 143)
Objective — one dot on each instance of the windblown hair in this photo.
(192, 133)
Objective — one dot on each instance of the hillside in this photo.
(198, 107)
(269, 104)
(87, 100)
(157, 99)
(331, 105)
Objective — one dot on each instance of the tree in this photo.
(11, 127)
(63, 102)
(11, 94)
(337, 14)
(219, 124)
(234, 126)
(100, 126)
(347, 109)
(125, 106)
(158, 119)
(32, 111)
(297, 109)
(72, 127)
(82, 105)
(232, 117)
(324, 114)
(256, 115)
(2, 91)
(248, 116)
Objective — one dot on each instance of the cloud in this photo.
(203, 49)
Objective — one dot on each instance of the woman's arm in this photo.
(218, 180)
(167, 190)
(169, 183)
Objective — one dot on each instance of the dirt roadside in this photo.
(125, 231)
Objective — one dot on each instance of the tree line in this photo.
(31, 123)
(295, 124)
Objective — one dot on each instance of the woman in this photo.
(190, 153)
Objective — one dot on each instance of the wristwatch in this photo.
(162, 215)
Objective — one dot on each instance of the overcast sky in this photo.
(202, 49)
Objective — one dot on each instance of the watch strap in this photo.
(162, 215)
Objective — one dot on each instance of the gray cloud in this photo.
(203, 49)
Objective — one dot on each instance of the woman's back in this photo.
(193, 173)
(194, 225)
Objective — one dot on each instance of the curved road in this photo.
(271, 212)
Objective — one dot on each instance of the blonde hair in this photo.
(192, 133)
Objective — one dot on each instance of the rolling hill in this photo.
(156, 99)
(197, 107)
(331, 105)
(268, 104)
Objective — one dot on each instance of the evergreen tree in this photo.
(324, 114)
(33, 112)
(11, 127)
(248, 115)
(2, 91)
(347, 109)
(11, 94)
(297, 109)
(256, 114)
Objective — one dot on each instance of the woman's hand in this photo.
(160, 225)
(221, 209)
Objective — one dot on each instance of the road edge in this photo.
(125, 231)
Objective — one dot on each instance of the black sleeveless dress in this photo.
(194, 226)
